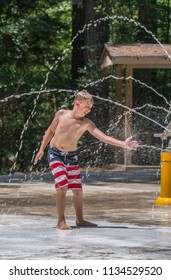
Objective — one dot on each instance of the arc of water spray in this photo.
(6, 99)
(33, 112)
(121, 105)
(137, 81)
(124, 18)
(116, 103)
(149, 87)
(86, 26)
(131, 110)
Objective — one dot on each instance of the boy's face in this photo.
(84, 107)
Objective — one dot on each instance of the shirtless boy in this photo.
(63, 134)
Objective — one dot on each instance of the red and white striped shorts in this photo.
(65, 168)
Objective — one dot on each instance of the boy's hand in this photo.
(38, 156)
(131, 144)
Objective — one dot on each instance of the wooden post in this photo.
(118, 111)
(128, 115)
(118, 89)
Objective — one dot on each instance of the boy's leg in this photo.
(78, 205)
(60, 198)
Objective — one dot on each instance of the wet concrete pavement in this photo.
(129, 226)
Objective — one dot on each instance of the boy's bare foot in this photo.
(84, 223)
(63, 226)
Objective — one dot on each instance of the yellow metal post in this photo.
(165, 188)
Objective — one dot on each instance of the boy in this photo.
(63, 134)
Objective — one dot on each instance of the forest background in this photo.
(50, 49)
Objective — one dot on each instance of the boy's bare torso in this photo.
(68, 131)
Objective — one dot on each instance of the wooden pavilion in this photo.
(130, 57)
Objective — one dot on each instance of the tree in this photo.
(32, 38)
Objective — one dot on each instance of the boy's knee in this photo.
(77, 192)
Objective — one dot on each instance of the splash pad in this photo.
(23, 223)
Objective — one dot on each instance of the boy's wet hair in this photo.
(83, 95)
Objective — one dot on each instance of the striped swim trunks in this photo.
(65, 168)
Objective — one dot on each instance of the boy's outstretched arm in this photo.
(127, 144)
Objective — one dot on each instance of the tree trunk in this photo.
(78, 21)
(90, 34)
(147, 13)
(87, 46)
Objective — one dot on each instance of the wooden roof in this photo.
(136, 55)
